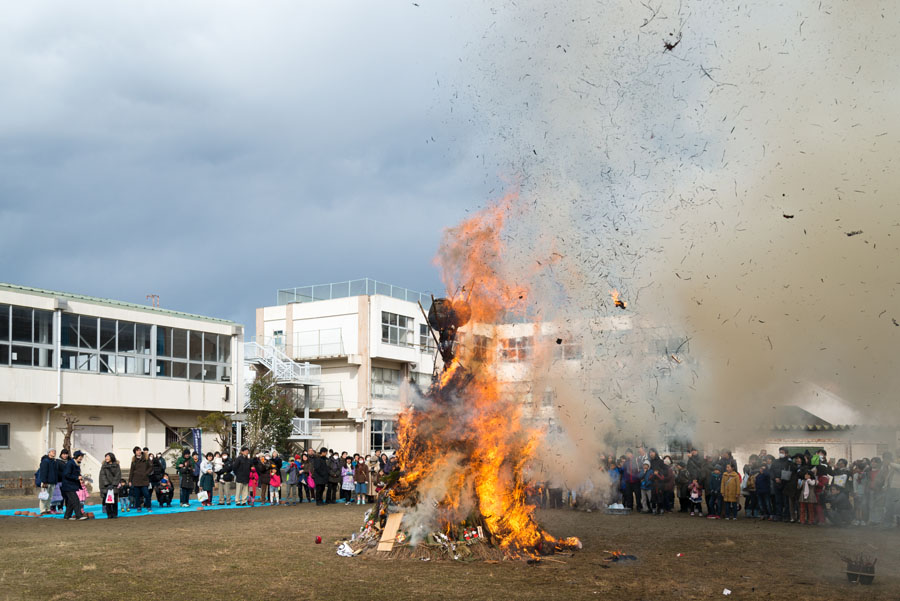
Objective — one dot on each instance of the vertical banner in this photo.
(195, 433)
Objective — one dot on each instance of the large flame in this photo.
(465, 448)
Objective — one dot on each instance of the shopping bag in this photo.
(202, 496)
(44, 494)
(110, 497)
(310, 482)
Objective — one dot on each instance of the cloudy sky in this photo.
(212, 152)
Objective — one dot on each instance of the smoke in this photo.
(714, 163)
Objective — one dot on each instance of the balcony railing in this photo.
(283, 368)
(305, 428)
(318, 344)
(363, 287)
(327, 397)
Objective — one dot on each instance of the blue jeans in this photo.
(714, 504)
(764, 506)
(137, 494)
(731, 510)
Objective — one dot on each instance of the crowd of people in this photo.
(804, 488)
(246, 480)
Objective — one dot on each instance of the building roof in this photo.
(792, 417)
(111, 303)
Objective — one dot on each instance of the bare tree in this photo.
(71, 420)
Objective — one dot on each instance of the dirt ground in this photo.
(270, 553)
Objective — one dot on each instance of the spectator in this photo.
(123, 492)
(321, 474)
(361, 481)
(48, 478)
(731, 491)
(293, 481)
(71, 483)
(696, 496)
(156, 471)
(784, 474)
(241, 469)
(807, 499)
(164, 492)
(139, 480)
(225, 478)
(334, 477)
(254, 484)
(714, 491)
(347, 475)
(186, 471)
(110, 476)
(646, 487)
(207, 478)
(763, 486)
(633, 472)
(682, 482)
(274, 485)
(262, 473)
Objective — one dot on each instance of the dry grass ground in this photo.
(269, 553)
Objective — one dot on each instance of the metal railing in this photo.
(318, 343)
(362, 287)
(283, 368)
(327, 397)
(305, 428)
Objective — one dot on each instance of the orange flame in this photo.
(470, 446)
(616, 301)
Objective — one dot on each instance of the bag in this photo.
(44, 494)
(110, 497)
(37, 478)
(310, 482)
(785, 475)
(202, 496)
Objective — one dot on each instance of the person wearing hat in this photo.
(48, 477)
(646, 486)
(71, 484)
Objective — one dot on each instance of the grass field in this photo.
(269, 553)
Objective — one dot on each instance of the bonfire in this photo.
(459, 490)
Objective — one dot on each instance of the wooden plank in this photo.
(389, 534)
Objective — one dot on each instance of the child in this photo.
(714, 490)
(763, 490)
(347, 484)
(731, 491)
(164, 492)
(696, 496)
(860, 485)
(254, 483)
(821, 474)
(274, 486)
(293, 481)
(808, 499)
(646, 486)
(124, 493)
(207, 478)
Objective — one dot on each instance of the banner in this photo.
(195, 433)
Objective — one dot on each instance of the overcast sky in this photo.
(212, 152)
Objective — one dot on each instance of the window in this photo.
(21, 324)
(567, 350)
(385, 383)
(4, 323)
(482, 347)
(195, 346)
(515, 350)
(4, 436)
(396, 329)
(426, 340)
(423, 380)
(382, 437)
(179, 343)
(31, 333)
(163, 341)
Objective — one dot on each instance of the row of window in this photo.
(400, 330)
(110, 346)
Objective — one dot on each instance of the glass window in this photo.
(179, 343)
(21, 356)
(224, 349)
(43, 327)
(385, 383)
(515, 349)
(142, 339)
(87, 332)
(4, 354)
(4, 323)
(196, 346)
(163, 341)
(382, 435)
(211, 372)
(21, 324)
(396, 329)
(210, 342)
(43, 357)
(179, 369)
(163, 368)
(224, 373)
(108, 329)
(4, 436)
(107, 364)
(196, 371)
(126, 337)
(86, 362)
(69, 359)
(69, 330)
(426, 340)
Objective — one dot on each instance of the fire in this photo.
(617, 301)
(467, 450)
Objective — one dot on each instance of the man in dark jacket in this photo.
(321, 474)
(334, 477)
(241, 468)
(48, 476)
(784, 478)
(632, 476)
(70, 485)
(139, 479)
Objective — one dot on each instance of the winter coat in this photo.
(275, 480)
(695, 468)
(207, 482)
(731, 487)
(633, 471)
(110, 476)
(70, 482)
(254, 478)
(763, 483)
(334, 471)
(669, 479)
(293, 474)
(682, 481)
(373, 474)
(808, 491)
(164, 488)
(784, 464)
(361, 473)
(262, 471)
(347, 478)
(225, 473)
(695, 491)
(241, 469)
(156, 471)
(186, 471)
(320, 470)
(48, 472)
(714, 485)
(647, 480)
(139, 473)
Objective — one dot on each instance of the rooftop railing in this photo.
(363, 287)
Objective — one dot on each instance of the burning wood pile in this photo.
(460, 484)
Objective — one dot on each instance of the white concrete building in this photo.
(132, 374)
(370, 339)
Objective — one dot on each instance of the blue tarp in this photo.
(156, 509)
